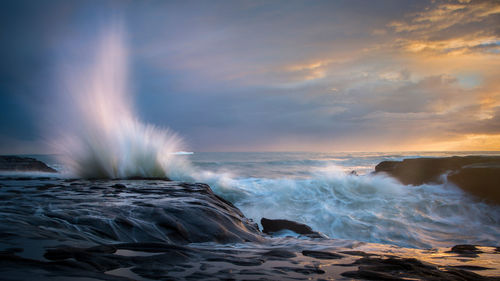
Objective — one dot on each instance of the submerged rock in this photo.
(16, 163)
(478, 175)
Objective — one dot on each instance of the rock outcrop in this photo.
(24, 164)
(273, 226)
(126, 211)
(481, 180)
(478, 175)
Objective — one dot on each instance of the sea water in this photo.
(321, 190)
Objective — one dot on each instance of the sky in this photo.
(388, 75)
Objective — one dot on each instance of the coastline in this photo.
(201, 236)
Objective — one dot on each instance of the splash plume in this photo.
(104, 138)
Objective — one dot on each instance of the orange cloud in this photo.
(310, 70)
(444, 15)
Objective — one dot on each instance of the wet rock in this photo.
(370, 275)
(466, 250)
(427, 170)
(280, 254)
(18, 268)
(46, 186)
(119, 186)
(302, 270)
(241, 261)
(271, 226)
(470, 267)
(151, 247)
(322, 255)
(104, 249)
(198, 215)
(11, 251)
(16, 163)
(162, 261)
(357, 253)
(169, 212)
(478, 175)
(407, 268)
(481, 180)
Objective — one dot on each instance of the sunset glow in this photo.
(257, 76)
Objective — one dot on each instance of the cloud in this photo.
(446, 14)
(486, 126)
(281, 75)
(452, 27)
(454, 46)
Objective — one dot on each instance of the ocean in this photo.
(322, 191)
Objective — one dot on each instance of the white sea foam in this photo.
(371, 208)
(184, 153)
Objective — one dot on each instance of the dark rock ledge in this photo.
(478, 175)
(16, 163)
(273, 226)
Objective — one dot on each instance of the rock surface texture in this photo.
(16, 163)
(126, 211)
(478, 175)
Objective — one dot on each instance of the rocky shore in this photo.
(150, 229)
(478, 175)
(161, 230)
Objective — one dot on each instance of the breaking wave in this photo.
(100, 135)
(370, 208)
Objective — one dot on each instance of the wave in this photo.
(370, 208)
(100, 135)
(184, 153)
